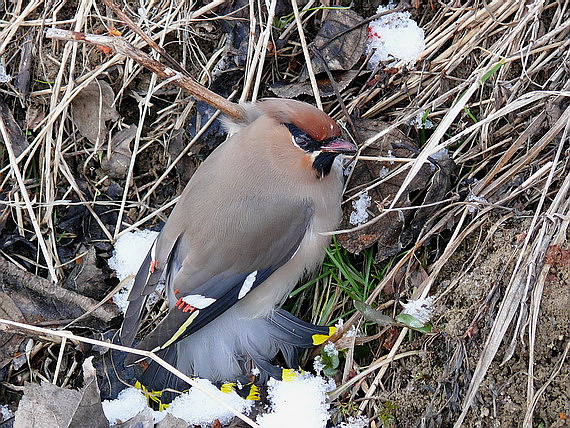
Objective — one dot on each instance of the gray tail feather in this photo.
(291, 334)
(282, 332)
(292, 330)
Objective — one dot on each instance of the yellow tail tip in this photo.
(322, 338)
(253, 393)
(152, 395)
(288, 375)
(228, 387)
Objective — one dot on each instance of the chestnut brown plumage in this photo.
(246, 229)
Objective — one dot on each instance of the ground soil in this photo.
(428, 390)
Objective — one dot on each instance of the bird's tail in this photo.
(159, 384)
(292, 334)
(243, 344)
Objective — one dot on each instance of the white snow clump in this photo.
(130, 251)
(394, 37)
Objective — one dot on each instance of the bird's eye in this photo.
(301, 139)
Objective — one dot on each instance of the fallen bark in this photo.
(16, 278)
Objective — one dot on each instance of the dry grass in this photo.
(503, 63)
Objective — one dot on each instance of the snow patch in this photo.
(358, 422)
(394, 37)
(130, 251)
(301, 402)
(420, 122)
(4, 77)
(360, 215)
(196, 408)
(129, 403)
(5, 412)
(475, 203)
(298, 403)
(420, 309)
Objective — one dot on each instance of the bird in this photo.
(248, 226)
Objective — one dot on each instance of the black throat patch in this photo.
(323, 163)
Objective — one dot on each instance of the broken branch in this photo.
(121, 46)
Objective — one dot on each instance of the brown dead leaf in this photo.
(171, 421)
(91, 108)
(86, 278)
(17, 137)
(9, 343)
(49, 406)
(144, 419)
(396, 229)
(293, 90)
(556, 256)
(117, 165)
(339, 50)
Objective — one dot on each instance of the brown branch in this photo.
(11, 274)
(121, 46)
(133, 26)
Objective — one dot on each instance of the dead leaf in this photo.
(557, 256)
(34, 116)
(39, 299)
(171, 421)
(17, 137)
(91, 108)
(293, 90)
(396, 229)
(373, 315)
(340, 50)
(144, 419)
(9, 343)
(117, 165)
(50, 406)
(86, 278)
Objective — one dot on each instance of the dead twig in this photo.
(123, 47)
(11, 274)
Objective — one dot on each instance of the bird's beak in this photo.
(338, 145)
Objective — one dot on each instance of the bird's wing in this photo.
(270, 240)
(146, 280)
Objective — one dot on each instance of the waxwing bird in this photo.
(247, 227)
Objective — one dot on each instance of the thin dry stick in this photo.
(206, 8)
(24, 192)
(148, 217)
(539, 287)
(519, 283)
(251, 61)
(59, 359)
(51, 166)
(8, 33)
(11, 274)
(66, 171)
(264, 40)
(432, 145)
(130, 172)
(147, 354)
(380, 362)
(133, 26)
(527, 423)
(308, 62)
(105, 299)
(123, 47)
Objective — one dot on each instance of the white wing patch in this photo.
(247, 284)
(198, 301)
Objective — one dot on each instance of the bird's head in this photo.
(303, 135)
